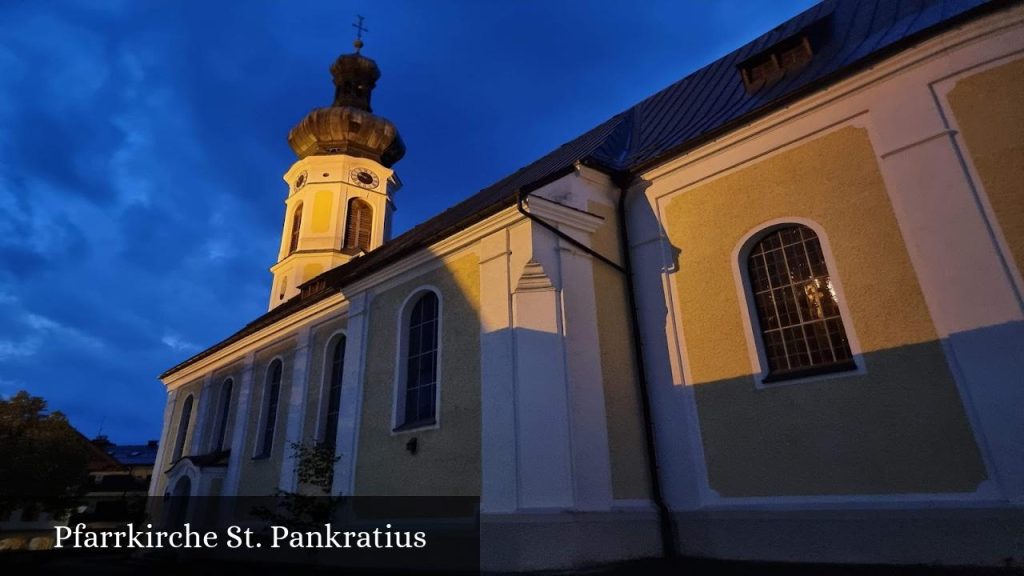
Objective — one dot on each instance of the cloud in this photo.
(178, 344)
(43, 330)
(11, 350)
(47, 327)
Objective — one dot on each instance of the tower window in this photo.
(418, 403)
(271, 396)
(183, 422)
(358, 225)
(333, 400)
(293, 244)
(801, 326)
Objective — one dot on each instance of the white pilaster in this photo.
(588, 418)
(497, 377)
(673, 407)
(542, 402)
(350, 410)
(238, 431)
(964, 272)
(295, 408)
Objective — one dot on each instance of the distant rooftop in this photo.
(129, 454)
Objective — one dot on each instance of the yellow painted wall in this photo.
(898, 428)
(989, 111)
(261, 477)
(448, 459)
(310, 271)
(322, 213)
(622, 401)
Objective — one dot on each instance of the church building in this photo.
(774, 311)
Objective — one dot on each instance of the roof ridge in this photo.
(625, 141)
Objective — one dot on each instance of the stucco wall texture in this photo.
(628, 453)
(990, 116)
(261, 476)
(899, 427)
(447, 461)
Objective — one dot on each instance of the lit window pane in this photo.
(796, 304)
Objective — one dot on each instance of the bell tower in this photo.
(340, 189)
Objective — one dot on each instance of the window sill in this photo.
(262, 456)
(417, 425)
(776, 377)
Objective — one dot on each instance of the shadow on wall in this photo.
(898, 425)
(436, 459)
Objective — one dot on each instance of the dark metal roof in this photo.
(133, 455)
(846, 36)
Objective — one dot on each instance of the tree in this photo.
(43, 460)
(312, 505)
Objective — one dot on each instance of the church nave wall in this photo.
(259, 475)
(447, 456)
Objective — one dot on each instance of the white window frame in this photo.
(401, 348)
(748, 307)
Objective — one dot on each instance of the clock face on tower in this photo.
(364, 178)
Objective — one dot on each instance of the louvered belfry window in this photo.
(797, 306)
(357, 225)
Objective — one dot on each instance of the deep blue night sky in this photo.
(142, 146)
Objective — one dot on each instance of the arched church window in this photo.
(419, 404)
(801, 327)
(225, 409)
(293, 244)
(271, 396)
(358, 223)
(333, 400)
(183, 422)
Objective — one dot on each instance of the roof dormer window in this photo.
(767, 67)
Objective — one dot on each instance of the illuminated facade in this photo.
(817, 240)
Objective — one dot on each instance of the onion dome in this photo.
(349, 126)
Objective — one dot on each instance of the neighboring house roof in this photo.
(848, 36)
(133, 455)
(98, 460)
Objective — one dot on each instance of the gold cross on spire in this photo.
(359, 34)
